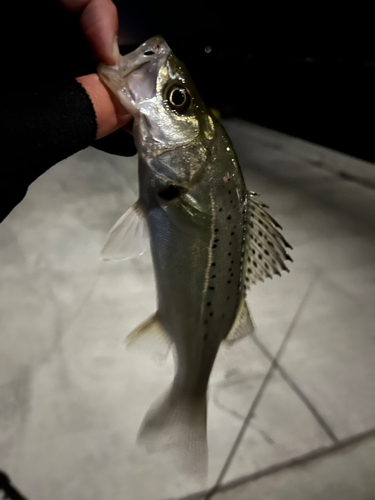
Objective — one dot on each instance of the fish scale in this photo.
(227, 244)
(209, 237)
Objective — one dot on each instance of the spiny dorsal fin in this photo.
(129, 236)
(265, 246)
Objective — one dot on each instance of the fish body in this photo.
(209, 237)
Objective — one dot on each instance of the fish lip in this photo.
(135, 68)
(156, 45)
(150, 52)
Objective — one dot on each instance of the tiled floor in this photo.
(72, 397)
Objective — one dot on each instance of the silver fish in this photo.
(210, 238)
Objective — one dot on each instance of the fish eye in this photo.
(178, 98)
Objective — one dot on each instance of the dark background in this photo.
(304, 70)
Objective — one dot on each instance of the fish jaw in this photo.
(133, 78)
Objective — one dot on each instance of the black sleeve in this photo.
(39, 128)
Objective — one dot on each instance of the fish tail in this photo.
(178, 421)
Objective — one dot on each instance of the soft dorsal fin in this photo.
(129, 236)
(242, 325)
(265, 246)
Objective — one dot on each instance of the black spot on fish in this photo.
(223, 315)
(247, 278)
(211, 314)
(213, 264)
(229, 192)
(214, 246)
(220, 209)
(230, 243)
(255, 263)
(232, 274)
(205, 321)
(232, 233)
(208, 303)
(260, 233)
(267, 266)
(232, 261)
(251, 225)
(213, 276)
(230, 269)
(216, 241)
(228, 297)
(216, 230)
(211, 287)
(253, 251)
(248, 270)
(205, 336)
(266, 252)
(260, 256)
(229, 217)
(229, 282)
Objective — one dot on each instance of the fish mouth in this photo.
(150, 56)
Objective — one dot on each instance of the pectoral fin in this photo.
(129, 236)
(242, 326)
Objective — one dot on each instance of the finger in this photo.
(129, 127)
(99, 24)
(110, 115)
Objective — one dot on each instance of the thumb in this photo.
(99, 23)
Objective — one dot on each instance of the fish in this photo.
(210, 237)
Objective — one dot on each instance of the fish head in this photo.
(155, 87)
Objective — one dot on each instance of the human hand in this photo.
(110, 115)
(99, 23)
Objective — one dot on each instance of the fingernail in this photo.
(116, 52)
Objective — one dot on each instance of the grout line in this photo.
(293, 385)
(302, 459)
(261, 390)
(288, 464)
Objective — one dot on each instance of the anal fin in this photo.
(150, 336)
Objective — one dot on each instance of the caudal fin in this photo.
(178, 422)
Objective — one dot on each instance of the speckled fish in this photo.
(210, 238)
